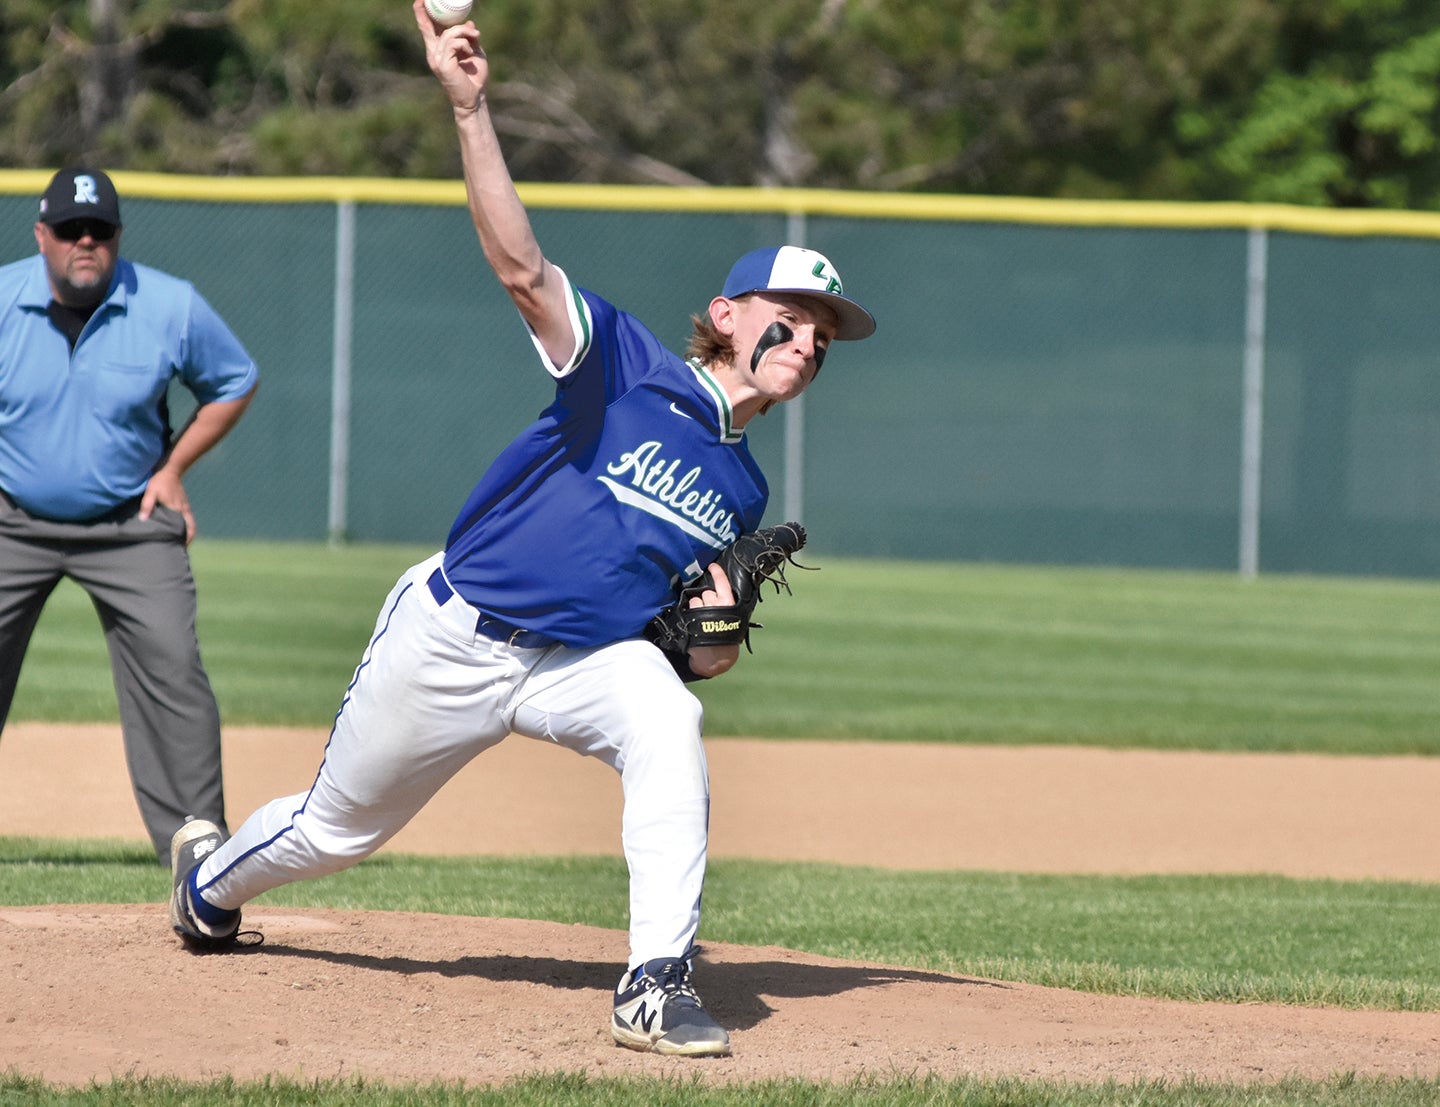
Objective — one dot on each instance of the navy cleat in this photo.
(657, 1010)
(192, 843)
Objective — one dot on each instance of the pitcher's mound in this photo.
(98, 992)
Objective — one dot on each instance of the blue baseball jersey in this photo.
(83, 431)
(628, 484)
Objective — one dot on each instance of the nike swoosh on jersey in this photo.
(677, 411)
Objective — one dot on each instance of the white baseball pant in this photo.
(430, 694)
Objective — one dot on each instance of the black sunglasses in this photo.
(73, 230)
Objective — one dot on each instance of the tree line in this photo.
(1315, 102)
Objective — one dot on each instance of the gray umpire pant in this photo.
(137, 575)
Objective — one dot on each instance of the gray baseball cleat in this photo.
(657, 1010)
(192, 843)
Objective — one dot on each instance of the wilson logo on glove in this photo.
(748, 562)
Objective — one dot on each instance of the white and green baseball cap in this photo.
(796, 269)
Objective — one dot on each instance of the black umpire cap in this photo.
(80, 194)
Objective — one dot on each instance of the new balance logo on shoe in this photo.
(204, 847)
(644, 1017)
(658, 1010)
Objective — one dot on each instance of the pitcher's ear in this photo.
(722, 314)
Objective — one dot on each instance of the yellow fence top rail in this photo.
(831, 202)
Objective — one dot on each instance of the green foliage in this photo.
(1324, 102)
(1347, 117)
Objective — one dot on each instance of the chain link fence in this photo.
(1208, 387)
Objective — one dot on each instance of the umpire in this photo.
(90, 478)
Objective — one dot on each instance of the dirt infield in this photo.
(417, 998)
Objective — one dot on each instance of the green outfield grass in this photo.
(882, 651)
(576, 1090)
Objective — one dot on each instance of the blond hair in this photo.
(707, 345)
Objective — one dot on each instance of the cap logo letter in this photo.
(85, 192)
(831, 284)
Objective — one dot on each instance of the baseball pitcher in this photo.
(611, 554)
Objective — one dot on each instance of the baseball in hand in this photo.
(448, 13)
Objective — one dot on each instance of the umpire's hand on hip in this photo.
(167, 490)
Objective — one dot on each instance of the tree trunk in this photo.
(107, 74)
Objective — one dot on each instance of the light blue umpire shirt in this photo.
(82, 433)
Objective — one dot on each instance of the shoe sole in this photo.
(198, 829)
(643, 1043)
